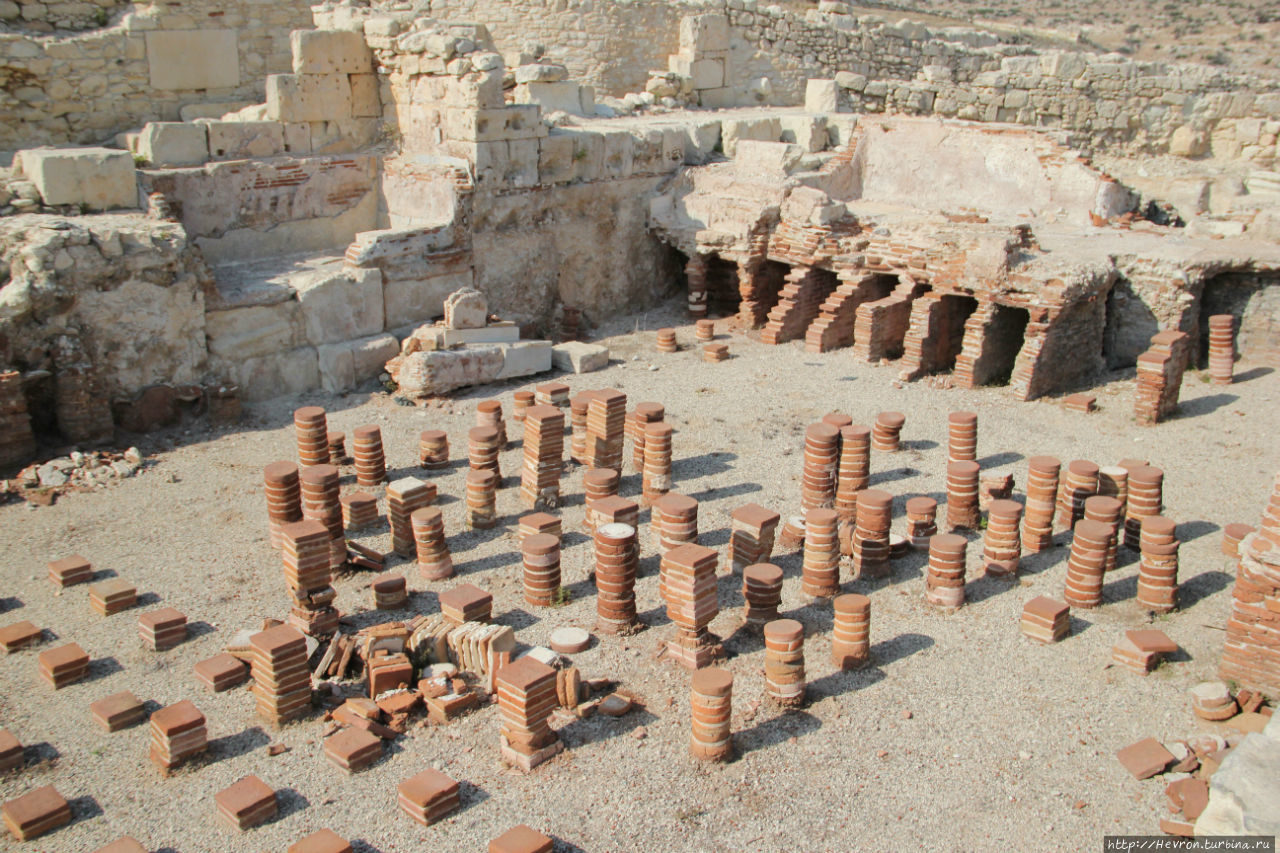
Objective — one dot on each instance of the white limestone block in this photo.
(330, 52)
(579, 357)
(98, 178)
(308, 97)
(339, 304)
(820, 96)
(238, 140)
(525, 359)
(193, 59)
(173, 143)
(466, 309)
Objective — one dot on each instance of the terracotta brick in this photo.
(246, 803)
(36, 813)
(323, 841)
(521, 839)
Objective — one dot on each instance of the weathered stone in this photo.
(330, 52)
(308, 97)
(466, 309)
(579, 357)
(345, 366)
(820, 96)
(98, 178)
(173, 143)
(525, 359)
(235, 140)
(193, 59)
(339, 303)
(1244, 793)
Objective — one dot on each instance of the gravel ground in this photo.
(962, 735)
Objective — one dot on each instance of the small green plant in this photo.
(579, 154)
(690, 814)
(561, 598)
(100, 17)
(84, 208)
(139, 160)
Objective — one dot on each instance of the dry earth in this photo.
(961, 736)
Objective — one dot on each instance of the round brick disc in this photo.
(568, 641)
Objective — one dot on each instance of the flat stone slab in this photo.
(579, 357)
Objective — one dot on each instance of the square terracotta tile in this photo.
(521, 839)
(36, 813)
(324, 841)
(1145, 758)
(118, 711)
(246, 803)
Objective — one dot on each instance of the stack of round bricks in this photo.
(617, 556)
(371, 462)
(1042, 499)
(1158, 570)
(1113, 482)
(484, 443)
(312, 433)
(762, 591)
(839, 420)
(705, 331)
(641, 415)
(1146, 498)
(321, 502)
(962, 495)
(1087, 563)
(1002, 544)
(851, 631)
(541, 554)
(871, 535)
(922, 520)
(520, 403)
(821, 568)
(710, 705)
(579, 407)
(1078, 484)
(666, 340)
(543, 457)
(489, 414)
(854, 472)
(1232, 535)
(675, 521)
(434, 560)
(482, 499)
(1222, 351)
(887, 431)
(944, 583)
(598, 484)
(962, 437)
(433, 450)
(821, 457)
(1108, 511)
(784, 662)
(390, 591)
(656, 480)
(281, 485)
(337, 448)
(405, 497)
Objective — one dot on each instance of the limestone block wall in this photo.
(145, 65)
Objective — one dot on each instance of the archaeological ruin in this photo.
(760, 405)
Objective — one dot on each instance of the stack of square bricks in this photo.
(63, 665)
(353, 749)
(1251, 653)
(543, 457)
(537, 522)
(690, 574)
(118, 711)
(642, 415)
(321, 502)
(1142, 651)
(246, 803)
(177, 733)
(466, 603)
(551, 394)
(282, 681)
(305, 553)
(162, 629)
(113, 595)
(606, 420)
(221, 672)
(35, 813)
(1045, 620)
(429, 796)
(526, 698)
(403, 497)
(579, 407)
(19, 635)
(70, 571)
(1159, 381)
(751, 535)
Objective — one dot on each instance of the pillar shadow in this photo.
(1204, 405)
(1253, 373)
(1189, 530)
(716, 493)
(841, 682)
(987, 586)
(997, 459)
(776, 730)
(84, 808)
(100, 668)
(289, 801)
(233, 746)
(1194, 590)
(482, 564)
(10, 603)
(518, 618)
(600, 727)
(1078, 626)
(1121, 589)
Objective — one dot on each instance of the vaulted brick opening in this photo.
(723, 292)
(955, 310)
(1254, 300)
(1128, 326)
(1005, 335)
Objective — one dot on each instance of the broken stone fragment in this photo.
(579, 357)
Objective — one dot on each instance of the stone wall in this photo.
(37, 16)
(155, 59)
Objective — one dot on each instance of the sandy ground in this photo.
(1005, 743)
